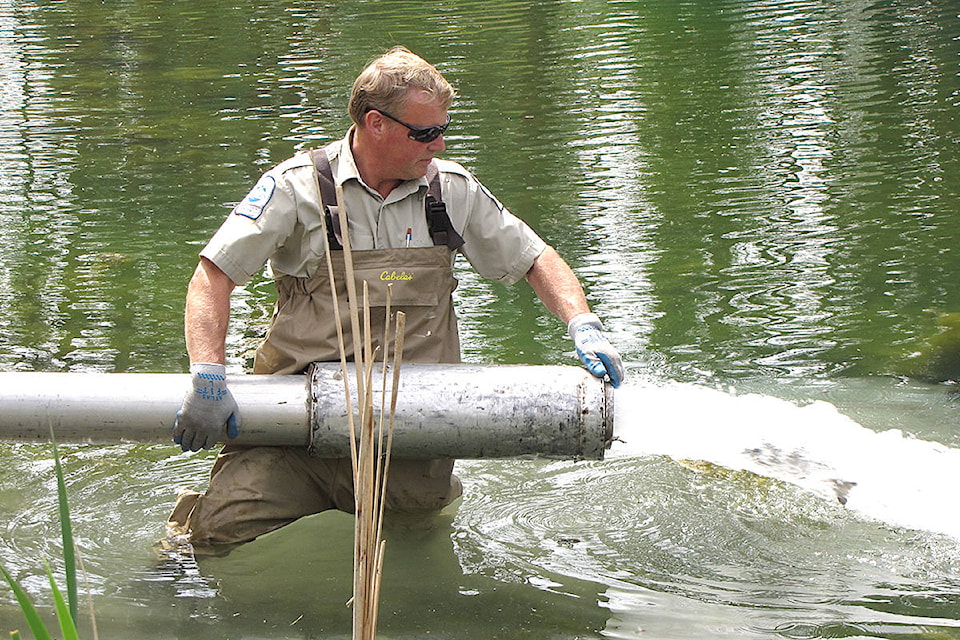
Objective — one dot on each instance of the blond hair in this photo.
(387, 82)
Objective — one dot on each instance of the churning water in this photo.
(724, 514)
(884, 475)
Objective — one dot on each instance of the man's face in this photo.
(408, 159)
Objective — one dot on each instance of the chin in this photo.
(420, 170)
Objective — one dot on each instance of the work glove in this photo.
(596, 353)
(208, 409)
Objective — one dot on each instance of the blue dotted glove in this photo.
(208, 410)
(596, 353)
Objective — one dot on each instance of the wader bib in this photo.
(304, 325)
(254, 490)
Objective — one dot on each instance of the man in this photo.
(399, 107)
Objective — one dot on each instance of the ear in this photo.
(374, 122)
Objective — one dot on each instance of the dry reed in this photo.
(371, 456)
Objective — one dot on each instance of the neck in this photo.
(369, 168)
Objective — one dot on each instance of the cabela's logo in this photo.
(395, 275)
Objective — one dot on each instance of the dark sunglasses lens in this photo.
(426, 135)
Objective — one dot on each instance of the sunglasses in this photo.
(418, 134)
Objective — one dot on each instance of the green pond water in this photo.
(761, 199)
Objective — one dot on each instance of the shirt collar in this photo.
(347, 170)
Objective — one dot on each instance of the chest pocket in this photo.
(418, 277)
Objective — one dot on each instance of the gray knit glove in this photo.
(209, 410)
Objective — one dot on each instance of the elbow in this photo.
(541, 263)
(209, 278)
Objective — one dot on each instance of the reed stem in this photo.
(370, 457)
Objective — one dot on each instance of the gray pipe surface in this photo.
(106, 408)
(456, 411)
(472, 411)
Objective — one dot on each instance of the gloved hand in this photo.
(596, 353)
(207, 409)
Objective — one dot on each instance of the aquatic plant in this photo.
(66, 610)
(938, 359)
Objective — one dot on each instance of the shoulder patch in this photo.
(252, 206)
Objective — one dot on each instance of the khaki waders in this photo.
(254, 490)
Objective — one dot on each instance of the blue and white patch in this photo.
(252, 206)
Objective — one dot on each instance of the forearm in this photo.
(559, 289)
(207, 313)
(557, 286)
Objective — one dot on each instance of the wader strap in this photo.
(328, 195)
(441, 229)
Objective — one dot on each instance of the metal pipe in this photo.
(141, 407)
(470, 411)
(457, 411)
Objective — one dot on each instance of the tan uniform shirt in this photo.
(279, 221)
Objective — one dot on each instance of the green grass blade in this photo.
(66, 530)
(29, 612)
(67, 626)
(14, 635)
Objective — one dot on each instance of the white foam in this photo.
(881, 475)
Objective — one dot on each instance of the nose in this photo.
(437, 145)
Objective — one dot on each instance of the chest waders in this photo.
(304, 324)
(254, 490)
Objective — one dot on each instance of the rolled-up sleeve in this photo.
(498, 245)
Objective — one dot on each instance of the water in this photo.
(756, 195)
(883, 475)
